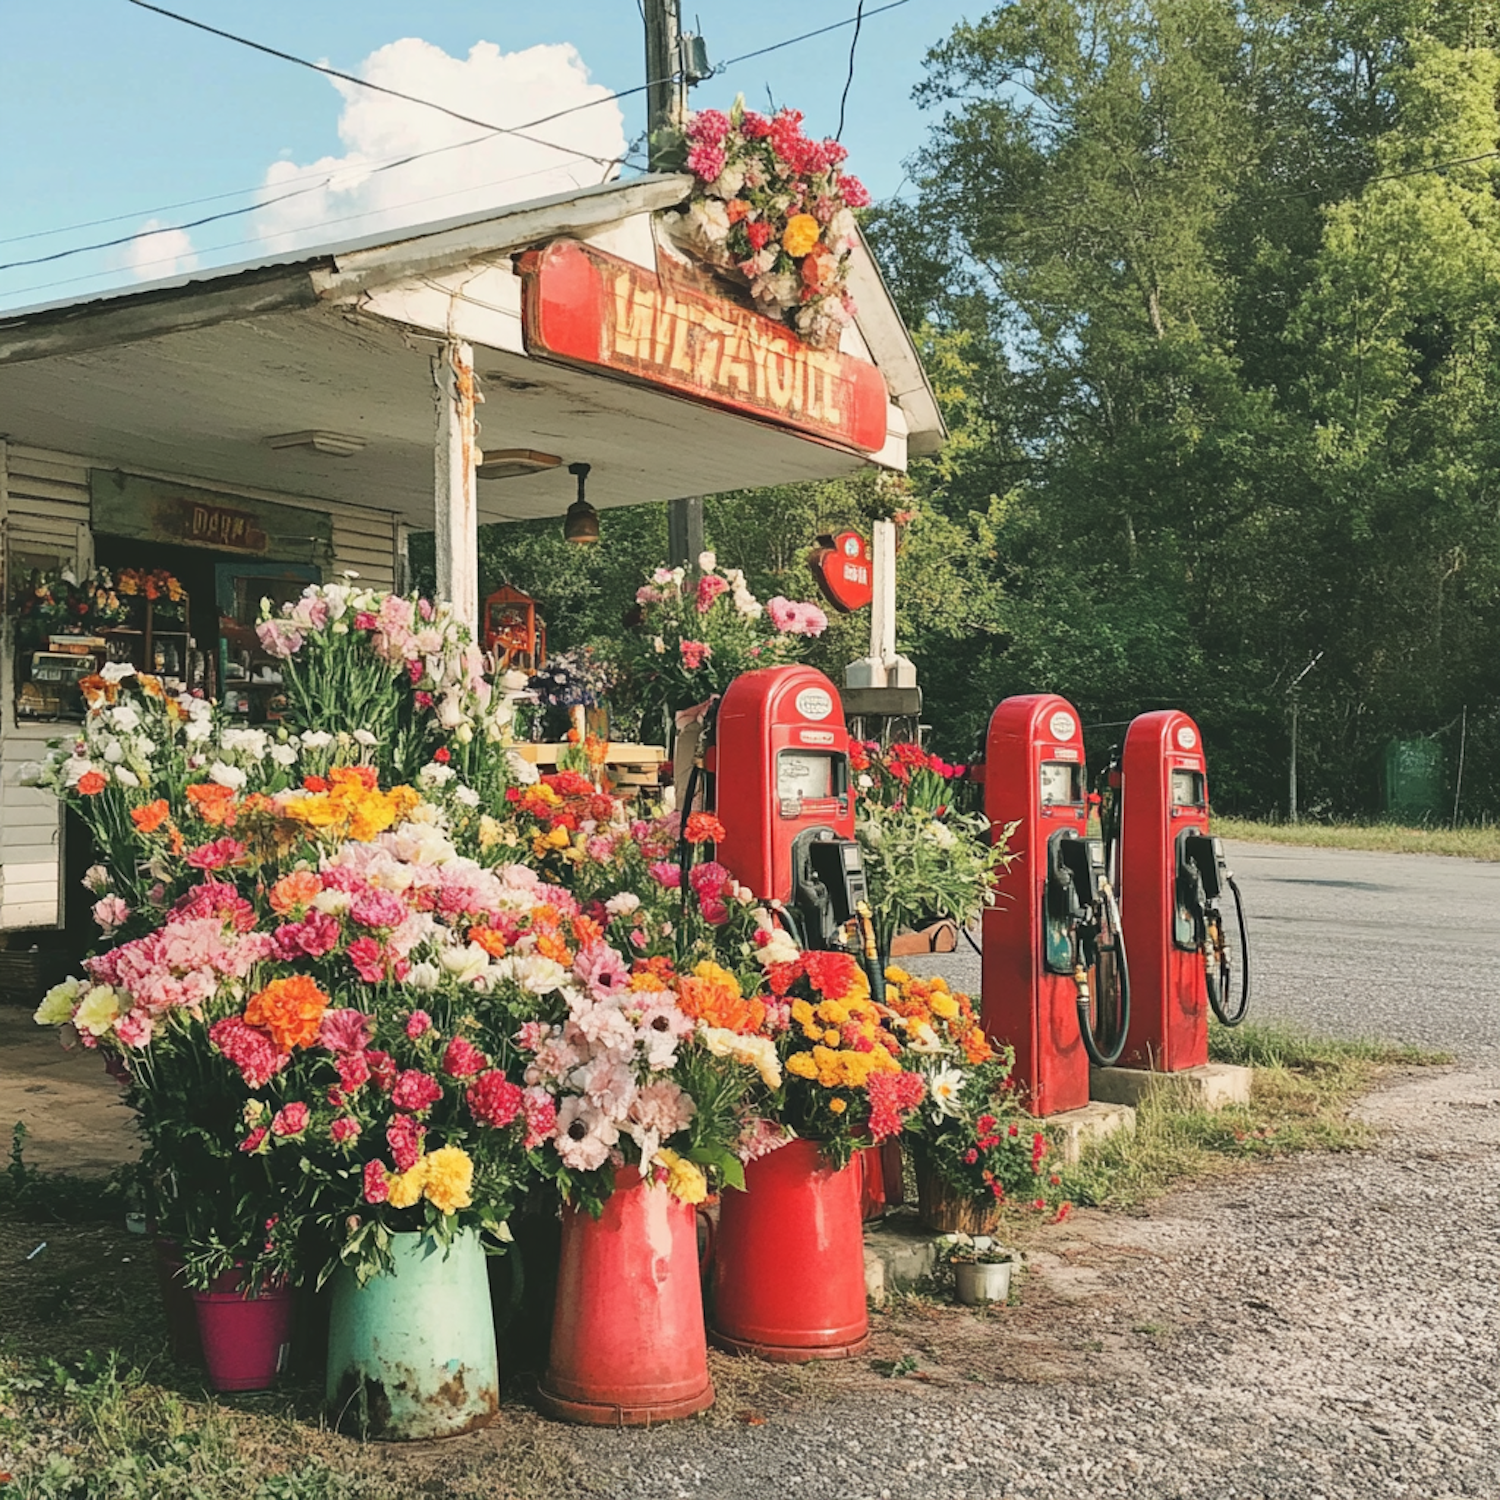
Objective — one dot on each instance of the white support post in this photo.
(455, 459)
(883, 605)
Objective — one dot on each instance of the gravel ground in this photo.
(1320, 1328)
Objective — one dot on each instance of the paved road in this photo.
(1404, 946)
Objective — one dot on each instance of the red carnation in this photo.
(494, 1100)
(416, 1091)
(377, 1188)
(462, 1059)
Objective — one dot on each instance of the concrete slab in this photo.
(1210, 1087)
(1097, 1119)
(899, 1253)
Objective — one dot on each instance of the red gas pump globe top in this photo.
(780, 763)
(1163, 794)
(1035, 777)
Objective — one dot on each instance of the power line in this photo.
(859, 17)
(323, 179)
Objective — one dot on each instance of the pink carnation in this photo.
(418, 1023)
(377, 1186)
(665, 874)
(462, 1059)
(354, 1071)
(368, 959)
(252, 1142)
(706, 161)
(314, 936)
(378, 909)
(694, 653)
(854, 192)
(404, 1136)
(250, 1050)
(708, 125)
(602, 969)
(110, 913)
(541, 1116)
(344, 1130)
(710, 586)
(416, 1091)
(346, 1031)
(290, 1119)
(494, 1100)
(217, 855)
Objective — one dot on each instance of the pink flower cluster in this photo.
(694, 653)
(793, 618)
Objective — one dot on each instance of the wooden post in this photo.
(666, 89)
(454, 485)
(685, 532)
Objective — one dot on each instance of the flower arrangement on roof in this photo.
(694, 635)
(773, 208)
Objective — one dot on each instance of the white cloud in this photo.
(503, 88)
(157, 252)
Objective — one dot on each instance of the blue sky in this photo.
(107, 109)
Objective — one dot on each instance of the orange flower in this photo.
(294, 890)
(364, 777)
(712, 995)
(703, 828)
(97, 690)
(550, 945)
(489, 940)
(213, 803)
(150, 817)
(586, 930)
(91, 783)
(290, 1010)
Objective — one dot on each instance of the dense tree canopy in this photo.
(1208, 291)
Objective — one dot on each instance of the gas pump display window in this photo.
(806, 775)
(1187, 789)
(1060, 783)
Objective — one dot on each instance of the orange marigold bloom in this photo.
(586, 930)
(91, 783)
(977, 1047)
(550, 945)
(213, 803)
(294, 890)
(290, 1010)
(364, 777)
(150, 817)
(703, 828)
(489, 940)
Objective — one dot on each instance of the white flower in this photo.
(285, 756)
(522, 771)
(435, 774)
(708, 562)
(450, 711)
(469, 963)
(114, 751)
(116, 671)
(126, 777)
(316, 739)
(230, 776)
(538, 975)
(780, 950)
(623, 904)
(659, 645)
(424, 976)
(251, 743)
(333, 903)
(944, 1087)
(195, 731)
(96, 879)
(864, 781)
(514, 682)
(57, 1004)
(466, 795)
(920, 1037)
(126, 717)
(365, 738)
(939, 834)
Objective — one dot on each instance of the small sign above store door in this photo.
(155, 510)
(588, 308)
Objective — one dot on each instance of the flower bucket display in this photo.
(789, 1261)
(247, 1340)
(411, 1353)
(628, 1346)
(944, 1209)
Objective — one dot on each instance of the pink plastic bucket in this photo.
(246, 1340)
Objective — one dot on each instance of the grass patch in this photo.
(1384, 838)
(1299, 1101)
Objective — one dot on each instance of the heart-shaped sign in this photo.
(844, 571)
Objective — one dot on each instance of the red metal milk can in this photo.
(628, 1344)
(789, 1262)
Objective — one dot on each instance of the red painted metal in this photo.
(628, 1346)
(844, 571)
(789, 1264)
(1023, 1005)
(584, 307)
(767, 714)
(1168, 995)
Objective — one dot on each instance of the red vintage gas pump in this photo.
(1055, 921)
(779, 783)
(1173, 882)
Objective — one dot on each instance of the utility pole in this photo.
(1294, 692)
(666, 105)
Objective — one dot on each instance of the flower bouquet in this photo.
(923, 860)
(972, 1146)
(694, 636)
(161, 588)
(772, 209)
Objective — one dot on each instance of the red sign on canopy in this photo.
(588, 308)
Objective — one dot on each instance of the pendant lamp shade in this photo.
(582, 521)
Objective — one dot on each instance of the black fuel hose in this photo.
(1107, 1057)
(1216, 992)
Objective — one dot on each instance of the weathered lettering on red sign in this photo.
(587, 307)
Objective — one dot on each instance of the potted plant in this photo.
(981, 1268)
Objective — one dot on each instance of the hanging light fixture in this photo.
(582, 521)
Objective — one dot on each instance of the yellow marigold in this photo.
(450, 1177)
(944, 1006)
(802, 232)
(405, 1188)
(833, 1036)
(802, 1064)
(894, 975)
(802, 1012)
(833, 1013)
(685, 1179)
(939, 983)
(837, 1106)
(315, 811)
